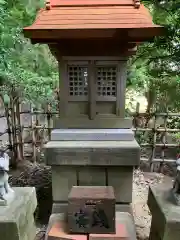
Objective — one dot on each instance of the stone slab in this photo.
(59, 232)
(92, 135)
(121, 178)
(121, 234)
(91, 176)
(17, 218)
(91, 209)
(121, 218)
(165, 213)
(101, 121)
(95, 153)
(54, 230)
(63, 178)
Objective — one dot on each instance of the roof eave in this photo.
(132, 34)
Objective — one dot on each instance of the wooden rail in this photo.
(39, 134)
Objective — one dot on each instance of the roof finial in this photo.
(137, 3)
(48, 5)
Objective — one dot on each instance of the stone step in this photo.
(92, 135)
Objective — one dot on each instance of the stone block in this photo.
(58, 232)
(127, 220)
(165, 213)
(63, 178)
(102, 121)
(30, 233)
(92, 153)
(54, 219)
(92, 176)
(59, 207)
(121, 234)
(124, 207)
(16, 219)
(92, 135)
(91, 209)
(121, 178)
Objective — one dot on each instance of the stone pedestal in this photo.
(92, 163)
(165, 223)
(17, 218)
(124, 221)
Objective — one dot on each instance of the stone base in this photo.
(165, 223)
(124, 222)
(8, 198)
(120, 177)
(17, 218)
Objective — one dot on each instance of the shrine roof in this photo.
(76, 15)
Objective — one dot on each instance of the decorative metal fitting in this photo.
(48, 5)
(137, 3)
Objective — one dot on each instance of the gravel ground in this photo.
(142, 216)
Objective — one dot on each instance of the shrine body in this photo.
(92, 143)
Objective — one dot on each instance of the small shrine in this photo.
(92, 150)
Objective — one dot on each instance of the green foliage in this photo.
(30, 68)
(155, 68)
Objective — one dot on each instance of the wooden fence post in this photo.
(19, 132)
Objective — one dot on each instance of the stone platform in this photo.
(92, 157)
(92, 153)
(92, 163)
(17, 218)
(165, 223)
(124, 223)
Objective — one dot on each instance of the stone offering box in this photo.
(91, 210)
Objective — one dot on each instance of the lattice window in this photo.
(106, 81)
(78, 81)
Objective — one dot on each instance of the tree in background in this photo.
(157, 64)
(31, 69)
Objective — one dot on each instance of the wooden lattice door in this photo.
(92, 88)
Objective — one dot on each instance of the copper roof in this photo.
(64, 15)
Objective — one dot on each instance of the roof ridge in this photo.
(81, 3)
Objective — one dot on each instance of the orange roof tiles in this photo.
(92, 14)
(62, 3)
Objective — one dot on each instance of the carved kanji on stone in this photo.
(91, 210)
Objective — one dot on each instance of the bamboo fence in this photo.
(39, 134)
